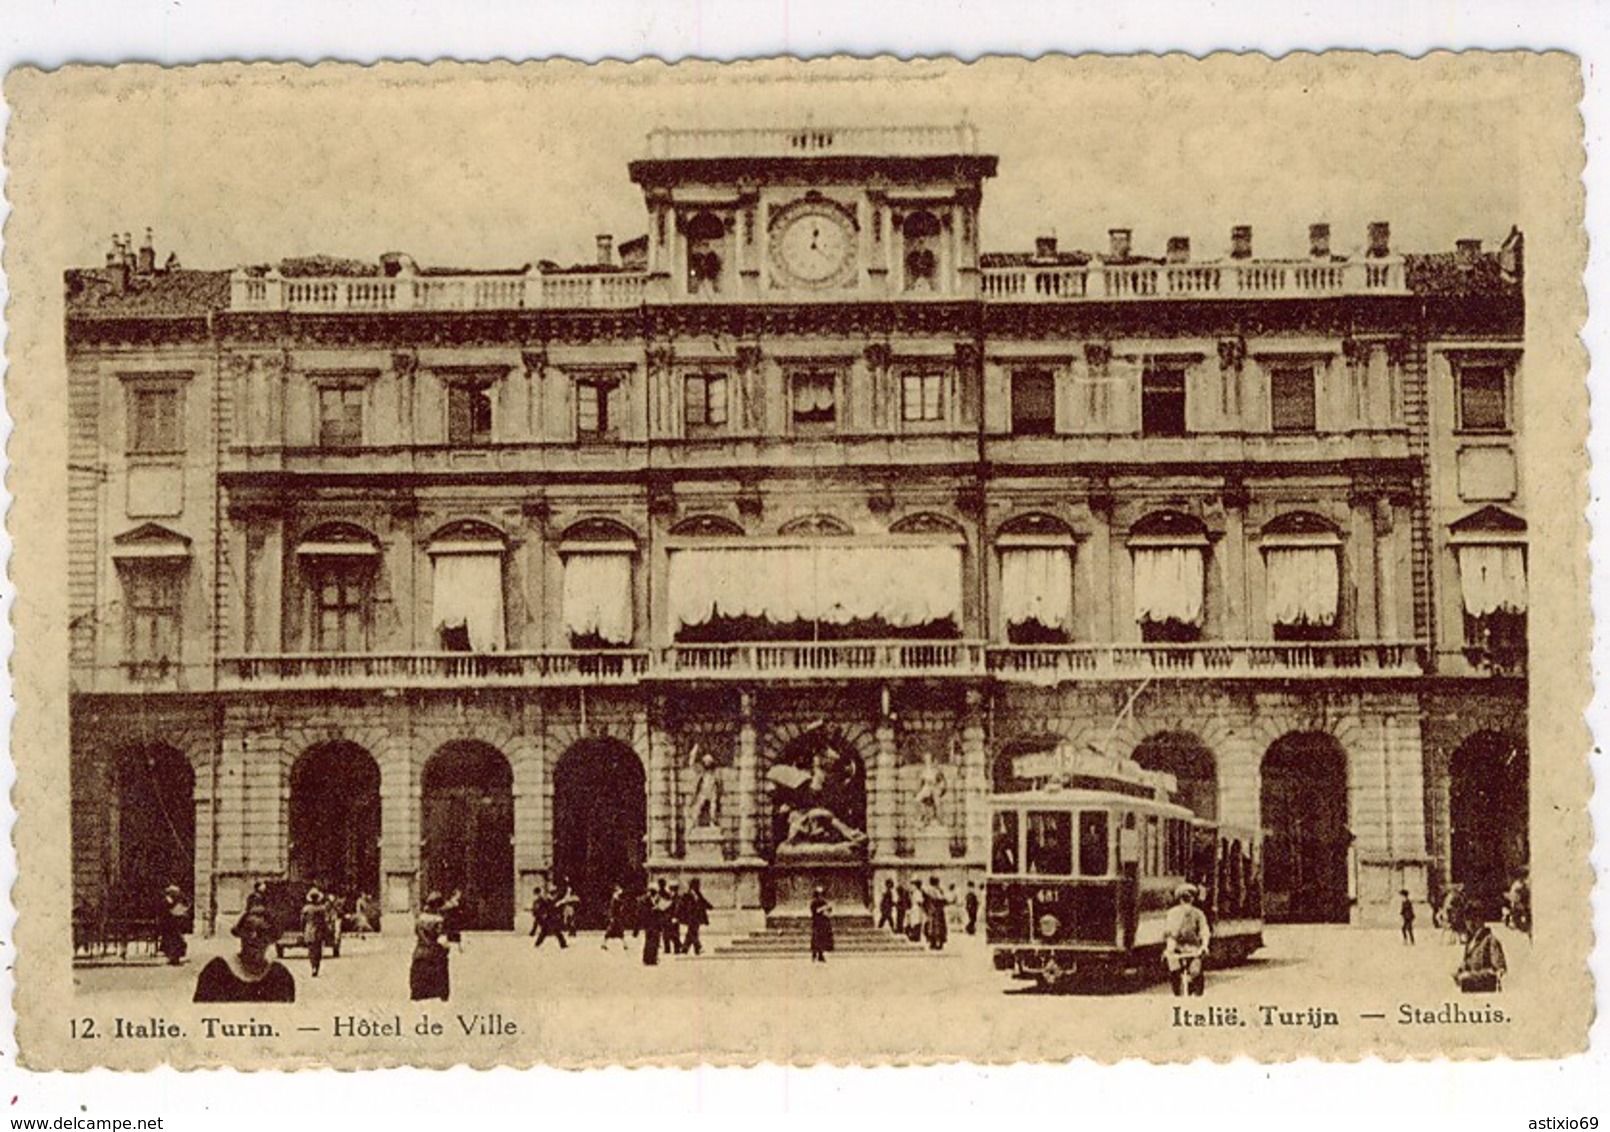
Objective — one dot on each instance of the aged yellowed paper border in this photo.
(751, 1009)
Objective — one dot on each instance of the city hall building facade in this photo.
(394, 578)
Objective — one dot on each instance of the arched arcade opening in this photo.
(468, 824)
(1488, 829)
(1303, 811)
(335, 820)
(600, 822)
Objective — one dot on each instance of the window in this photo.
(1050, 848)
(340, 416)
(1034, 410)
(154, 420)
(1291, 398)
(469, 413)
(814, 396)
(151, 594)
(1093, 849)
(1483, 404)
(704, 400)
(1003, 842)
(341, 606)
(592, 408)
(1492, 583)
(922, 397)
(1162, 400)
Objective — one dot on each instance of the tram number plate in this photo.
(1047, 895)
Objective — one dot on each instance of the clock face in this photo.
(816, 247)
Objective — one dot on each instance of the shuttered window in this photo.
(1291, 398)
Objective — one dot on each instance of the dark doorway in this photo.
(1190, 762)
(600, 819)
(153, 835)
(1489, 842)
(1303, 810)
(469, 833)
(335, 821)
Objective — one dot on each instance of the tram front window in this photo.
(1093, 843)
(1003, 843)
(1050, 849)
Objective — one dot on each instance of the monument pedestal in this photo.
(841, 872)
(930, 844)
(704, 846)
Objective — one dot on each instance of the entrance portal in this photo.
(153, 834)
(469, 833)
(600, 820)
(1487, 818)
(335, 821)
(1303, 810)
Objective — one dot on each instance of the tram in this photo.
(1084, 864)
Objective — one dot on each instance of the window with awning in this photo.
(1169, 583)
(467, 595)
(1302, 583)
(1037, 586)
(902, 586)
(1492, 578)
(597, 595)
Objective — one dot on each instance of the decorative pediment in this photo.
(1489, 520)
(819, 525)
(707, 526)
(151, 540)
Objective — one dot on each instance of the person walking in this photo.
(315, 928)
(453, 918)
(821, 925)
(550, 918)
(1406, 913)
(916, 914)
(649, 917)
(934, 914)
(970, 903)
(428, 973)
(886, 906)
(1482, 966)
(1185, 942)
(617, 916)
(538, 902)
(902, 907)
(694, 916)
(568, 902)
(175, 917)
(670, 919)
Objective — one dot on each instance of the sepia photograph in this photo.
(878, 561)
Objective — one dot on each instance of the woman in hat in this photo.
(315, 927)
(821, 925)
(249, 975)
(175, 918)
(427, 975)
(1185, 941)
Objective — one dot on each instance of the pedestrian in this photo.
(970, 902)
(568, 903)
(1185, 942)
(549, 914)
(315, 928)
(1406, 912)
(452, 918)
(428, 974)
(695, 915)
(934, 914)
(916, 914)
(821, 925)
(617, 916)
(363, 914)
(249, 975)
(902, 907)
(538, 902)
(670, 923)
(1481, 967)
(1453, 911)
(175, 917)
(649, 916)
(886, 906)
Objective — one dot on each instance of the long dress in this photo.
(938, 929)
(427, 974)
(821, 927)
(219, 983)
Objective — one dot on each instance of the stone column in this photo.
(975, 778)
(529, 755)
(748, 776)
(661, 820)
(885, 791)
(400, 834)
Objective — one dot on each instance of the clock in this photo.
(814, 246)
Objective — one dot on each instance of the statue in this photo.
(932, 788)
(704, 806)
(806, 799)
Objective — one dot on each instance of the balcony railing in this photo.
(431, 669)
(821, 660)
(1215, 660)
(368, 295)
(1252, 279)
(815, 141)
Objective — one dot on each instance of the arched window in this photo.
(1490, 549)
(338, 562)
(706, 237)
(920, 251)
(598, 556)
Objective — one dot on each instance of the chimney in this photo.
(172, 263)
(1241, 241)
(117, 265)
(606, 250)
(1179, 249)
(1319, 241)
(1468, 250)
(148, 254)
(1118, 243)
(1045, 247)
(1380, 239)
(114, 253)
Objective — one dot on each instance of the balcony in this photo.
(1210, 660)
(527, 290)
(820, 660)
(1274, 279)
(325, 671)
(814, 141)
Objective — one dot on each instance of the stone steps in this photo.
(790, 934)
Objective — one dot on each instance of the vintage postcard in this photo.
(868, 561)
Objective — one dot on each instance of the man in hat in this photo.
(315, 927)
(1185, 941)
